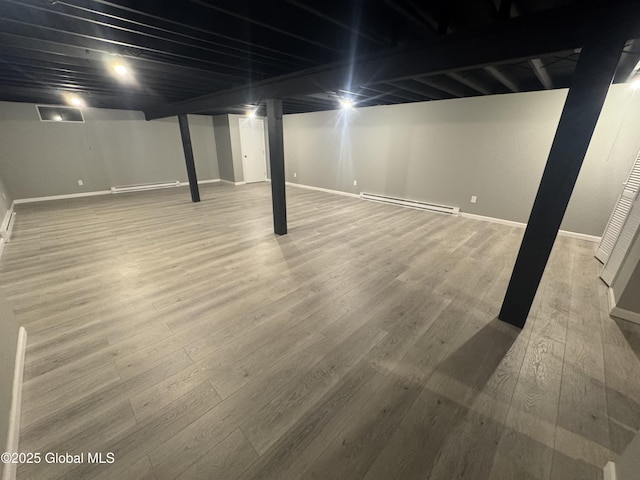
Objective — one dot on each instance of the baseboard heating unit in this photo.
(410, 203)
(144, 186)
(7, 225)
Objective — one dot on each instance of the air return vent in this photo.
(410, 203)
(144, 186)
(60, 114)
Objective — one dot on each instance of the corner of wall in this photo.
(13, 434)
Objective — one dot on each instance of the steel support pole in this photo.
(589, 86)
(276, 156)
(188, 157)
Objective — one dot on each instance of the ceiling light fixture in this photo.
(76, 101)
(635, 84)
(346, 103)
(120, 69)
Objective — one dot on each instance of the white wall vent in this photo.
(51, 113)
(144, 186)
(410, 203)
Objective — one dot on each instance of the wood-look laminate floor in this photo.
(192, 343)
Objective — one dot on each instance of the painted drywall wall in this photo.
(223, 147)
(626, 284)
(112, 147)
(630, 298)
(204, 147)
(8, 347)
(227, 133)
(627, 466)
(493, 147)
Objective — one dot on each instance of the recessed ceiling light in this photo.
(346, 103)
(120, 69)
(57, 118)
(76, 101)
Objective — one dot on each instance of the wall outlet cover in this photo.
(80, 182)
(295, 174)
(355, 183)
(474, 199)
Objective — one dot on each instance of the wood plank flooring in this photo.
(192, 343)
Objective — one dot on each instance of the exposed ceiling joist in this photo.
(60, 52)
(419, 89)
(503, 78)
(418, 20)
(474, 85)
(450, 89)
(629, 63)
(371, 36)
(520, 38)
(541, 73)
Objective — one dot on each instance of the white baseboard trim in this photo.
(610, 471)
(90, 194)
(9, 470)
(511, 223)
(201, 182)
(326, 190)
(229, 182)
(61, 197)
(627, 315)
(615, 311)
(612, 299)
(580, 236)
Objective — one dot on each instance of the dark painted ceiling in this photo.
(177, 50)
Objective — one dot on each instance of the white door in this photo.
(254, 157)
(621, 248)
(620, 213)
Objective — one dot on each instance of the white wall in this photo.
(627, 467)
(494, 147)
(626, 284)
(112, 147)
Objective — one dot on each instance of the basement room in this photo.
(343, 240)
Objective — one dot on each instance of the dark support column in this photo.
(188, 157)
(589, 86)
(276, 155)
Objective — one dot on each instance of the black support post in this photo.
(188, 157)
(276, 156)
(590, 84)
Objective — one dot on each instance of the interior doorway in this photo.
(252, 144)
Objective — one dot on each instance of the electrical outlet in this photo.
(295, 174)
(355, 183)
(4, 197)
(80, 182)
(474, 199)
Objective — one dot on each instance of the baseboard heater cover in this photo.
(410, 203)
(7, 227)
(144, 186)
